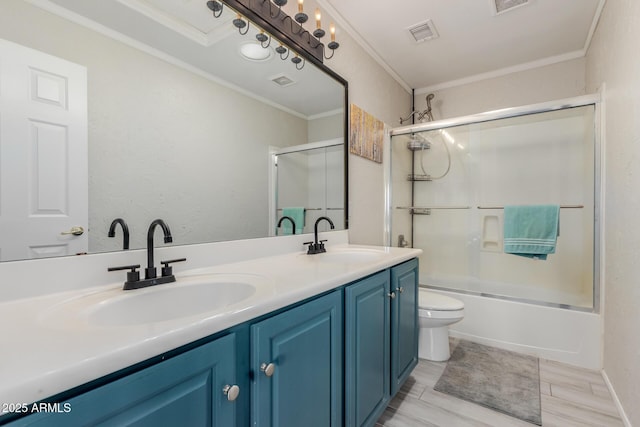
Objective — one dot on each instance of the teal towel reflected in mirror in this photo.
(531, 231)
(295, 213)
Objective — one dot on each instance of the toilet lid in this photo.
(433, 301)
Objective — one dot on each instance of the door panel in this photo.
(404, 323)
(367, 338)
(186, 390)
(43, 154)
(305, 346)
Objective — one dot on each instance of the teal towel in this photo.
(531, 231)
(297, 214)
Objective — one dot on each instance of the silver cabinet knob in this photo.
(231, 391)
(392, 295)
(400, 289)
(268, 369)
(76, 231)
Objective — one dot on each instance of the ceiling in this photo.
(474, 41)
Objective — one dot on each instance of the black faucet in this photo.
(150, 271)
(125, 232)
(293, 223)
(150, 276)
(317, 247)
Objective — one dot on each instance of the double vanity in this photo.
(272, 340)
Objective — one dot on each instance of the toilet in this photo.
(435, 313)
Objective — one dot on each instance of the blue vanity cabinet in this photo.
(404, 322)
(381, 340)
(296, 359)
(367, 349)
(186, 390)
(332, 360)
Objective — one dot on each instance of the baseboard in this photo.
(623, 415)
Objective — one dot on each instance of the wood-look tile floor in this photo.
(570, 397)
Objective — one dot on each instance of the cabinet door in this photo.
(186, 390)
(404, 322)
(300, 351)
(367, 337)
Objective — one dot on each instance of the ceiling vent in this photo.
(282, 80)
(423, 31)
(502, 6)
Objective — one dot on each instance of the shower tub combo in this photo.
(447, 184)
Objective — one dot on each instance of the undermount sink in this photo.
(189, 296)
(349, 256)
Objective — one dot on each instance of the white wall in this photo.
(326, 127)
(613, 60)
(149, 119)
(562, 80)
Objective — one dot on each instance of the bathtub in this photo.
(553, 333)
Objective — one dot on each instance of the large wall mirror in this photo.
(144, 109)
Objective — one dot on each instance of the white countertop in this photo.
(42, 357)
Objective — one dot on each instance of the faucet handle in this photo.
(312, 248)
(132, 276)
(167, 270)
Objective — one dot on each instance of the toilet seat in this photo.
(437, 302)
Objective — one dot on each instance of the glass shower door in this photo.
(450, 186)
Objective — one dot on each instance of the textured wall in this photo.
(324, 128)
(613, 60)
(562, 80)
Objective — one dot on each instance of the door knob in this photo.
(391, 295)
(76, 231)
(400, 289)
(268, 369)
(231, 391)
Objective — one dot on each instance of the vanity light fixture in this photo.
(333, 45)
(278, 3)
(262, 38)
(318, 32)
(297, 60)
(240, 24)
(216, 8)
(287, 28)
(301, 17)
(281, 50)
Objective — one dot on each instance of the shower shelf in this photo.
(426, 210)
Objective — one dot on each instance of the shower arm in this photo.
(421, 114)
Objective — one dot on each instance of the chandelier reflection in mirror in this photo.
(290, 25)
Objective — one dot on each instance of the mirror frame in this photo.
(259, 12)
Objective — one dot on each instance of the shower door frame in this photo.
(274, 152)
(598, 214)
